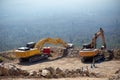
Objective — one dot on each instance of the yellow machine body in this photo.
(28, 53)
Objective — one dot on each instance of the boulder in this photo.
(46, 73)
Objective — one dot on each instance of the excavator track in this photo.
(38, 58)
(34, 58)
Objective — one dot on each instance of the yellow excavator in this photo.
(36, 51)
(90, 51)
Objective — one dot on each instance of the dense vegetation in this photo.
(21, 23)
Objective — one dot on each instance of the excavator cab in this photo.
(23, 48)
(86, 46)
(29, 46)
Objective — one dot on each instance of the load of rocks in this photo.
(50, 72)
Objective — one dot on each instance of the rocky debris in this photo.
(116, 76)
(32, 73)
(118, 71)
(56, 52)
(73, 52)
(3, 70)
(60, 51)
(116, 53)
(50, 72)
(45, 73)
(7, 56)
(11, 70)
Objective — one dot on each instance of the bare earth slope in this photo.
(104, 70)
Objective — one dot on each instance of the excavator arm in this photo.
(90, 49)
(100, 34)
(41, 43)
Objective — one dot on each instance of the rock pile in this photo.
(59, 51)
(73, 53)
(50, 72)
(11, 70)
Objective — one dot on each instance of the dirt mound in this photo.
(73, 52)
(7, 56)
(56, 52)
(11, 70)
(62, 52)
